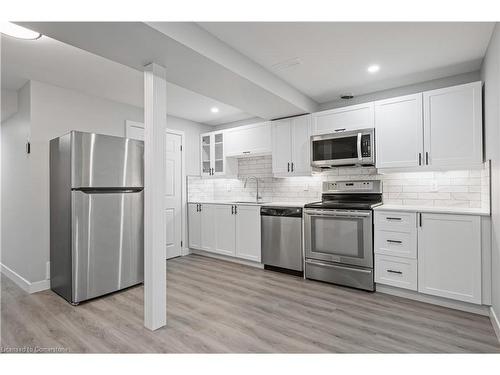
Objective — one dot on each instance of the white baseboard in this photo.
(228, 258)
(495, 322)
(445, 302)
(27, 286)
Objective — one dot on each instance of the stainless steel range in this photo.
(338, 233)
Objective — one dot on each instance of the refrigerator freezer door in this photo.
(106, 161)
(107, 242)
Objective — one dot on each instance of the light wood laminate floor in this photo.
(218, 306)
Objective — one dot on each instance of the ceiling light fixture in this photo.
(16, 31)
(214, 110)
(373, 68)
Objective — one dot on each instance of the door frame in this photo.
(135, 124)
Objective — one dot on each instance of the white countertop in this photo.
(274, 204)
(443, 210)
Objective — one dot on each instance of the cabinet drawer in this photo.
(394, 271)
(396, 221)
(400, 244)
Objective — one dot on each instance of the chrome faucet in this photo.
(257, 197)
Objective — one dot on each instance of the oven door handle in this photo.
(360, 156)
(338, 214)
(321, 264)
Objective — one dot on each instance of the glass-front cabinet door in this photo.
(206, 154)
(218, 167)
(212, 154)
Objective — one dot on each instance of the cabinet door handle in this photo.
(232, 210)
(394, 241)
(420, 219)
(394, 218)
(340, 130)
(288, 167)
(292, 166)
(426, 158)
(392, 271)
(419, 158)
(200, 207)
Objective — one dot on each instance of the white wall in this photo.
(17, 244)
(405, 90)
(9, 103)
(55, 111)
(192, 131)
(490, 74)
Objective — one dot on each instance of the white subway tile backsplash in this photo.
(461, 188)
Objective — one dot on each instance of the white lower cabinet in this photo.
(248, 233)
(207, 227)
(449, 256)
(436, 254)
(194, 226)
(232, 230)
(224, 229)
(395, 271)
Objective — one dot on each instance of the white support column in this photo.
(155, 272)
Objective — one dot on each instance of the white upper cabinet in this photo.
(248, 140)
(435, 129)
(449, 256)
(301, 145)
(291, 146)
(399, 132)
(453, 125)
(282, 146)
(341, 119)
(213, 161)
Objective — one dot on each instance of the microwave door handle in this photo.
(360, 157)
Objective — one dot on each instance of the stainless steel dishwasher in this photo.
(282, 238)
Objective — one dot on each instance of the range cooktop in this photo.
(349, 195)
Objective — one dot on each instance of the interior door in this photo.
(282, 151)
(173, 194)
(173, 186)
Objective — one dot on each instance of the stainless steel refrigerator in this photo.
(96, 215)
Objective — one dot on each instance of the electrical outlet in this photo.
(434, 186)
(228, 187)
(306, 187)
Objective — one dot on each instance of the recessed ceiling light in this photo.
(16, 31)
(214, 110)
(373, 68)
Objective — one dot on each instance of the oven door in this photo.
(341, 236)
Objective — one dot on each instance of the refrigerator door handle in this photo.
(87, 190)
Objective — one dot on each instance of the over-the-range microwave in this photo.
(353, 147)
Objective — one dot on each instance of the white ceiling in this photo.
(324, 60)
(48, 60)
